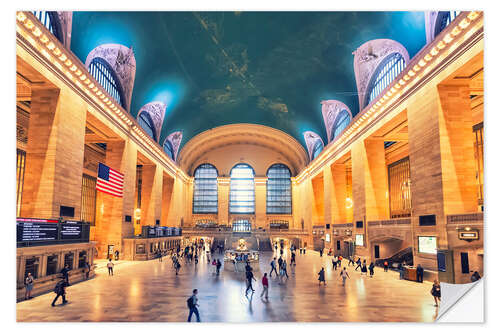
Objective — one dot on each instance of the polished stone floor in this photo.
(150, 291)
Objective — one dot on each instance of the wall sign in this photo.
(468, 234)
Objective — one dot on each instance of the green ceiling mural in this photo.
(269, 68)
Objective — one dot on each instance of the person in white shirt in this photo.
(344, 275)
(110, 267)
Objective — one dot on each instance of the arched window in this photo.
(242, 226)
(106, 77)
(279, 190)
(205, 190)
(443, 20)
(386, 72)
(318, 147)
(340, 123)
(50, 21)
(242, 190)
(147, 124)
(167, 147)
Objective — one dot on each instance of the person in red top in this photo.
(265, 285)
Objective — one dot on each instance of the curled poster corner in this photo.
(462, 302)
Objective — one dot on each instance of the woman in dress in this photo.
(436, 292)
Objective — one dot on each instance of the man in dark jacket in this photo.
(65, 272)
(249, 282)
(60, 290)
(420, 274)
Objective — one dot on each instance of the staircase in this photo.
(405, 255)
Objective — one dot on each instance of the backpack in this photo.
(58, 287)
(190, 302)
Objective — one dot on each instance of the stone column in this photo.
(54, 154)
(260, 202)
(151, 196)
(111, 227)
(441, 162)
(339, 193)
(328, 195)
(223, 199)
(370, 187)
(168, 187)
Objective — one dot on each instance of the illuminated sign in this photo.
(468, 234)
(427, 244)
(360, 240)
(327, 237)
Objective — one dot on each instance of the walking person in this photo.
(334, 262)
(177, 267)
(196, 258)
(363, 268)
(250, 277)
(371, 268)
(386, 266)
(351, 261)
(60, 290)
(280, 262)
(218, 266)
(273, 267)
(436, 292)
(321, 252)
(401, 271)
(339, 262)
(292, 261)
(344, 275)
(321, 277)
(110, 267)
(192, 303)
(284, 268)
(28, 284)
(87, 270)
(420, 274)
(265, 286)
(65, 274)
(358, 262)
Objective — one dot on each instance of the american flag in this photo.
(109, 181)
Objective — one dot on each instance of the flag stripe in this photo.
(103, 185)
(105, 189)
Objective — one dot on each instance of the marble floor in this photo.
(150, 291)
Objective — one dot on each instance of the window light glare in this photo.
(441, 45)
(29, 24)
(456, 31)
(464, 23)
(434, 51)
(37, 32)
(427, 57)
(422, 63)
(21, 16)
(44, 39)
(447, 39)
(472, 15)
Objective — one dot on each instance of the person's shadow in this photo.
(250, 309)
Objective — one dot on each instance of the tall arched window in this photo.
(386, 72)
(340, 123)
(318, 147)
(443, 20)
(167, 147)
(106, 77)
(279, 190)
(147, 124)
(242, 190)
(50, 21)
(205, 190)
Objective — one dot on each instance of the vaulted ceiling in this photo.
(268, 68)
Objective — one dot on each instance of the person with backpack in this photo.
(110, 267)
(65, 274)
(218, 266)
(273, 267)
(192, 303)
(60, 290)
(250, 277)
(177, 267)
(28, 283)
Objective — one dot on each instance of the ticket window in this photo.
(82, 258)
(68, 260)
(31, 266)
(52, 264)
